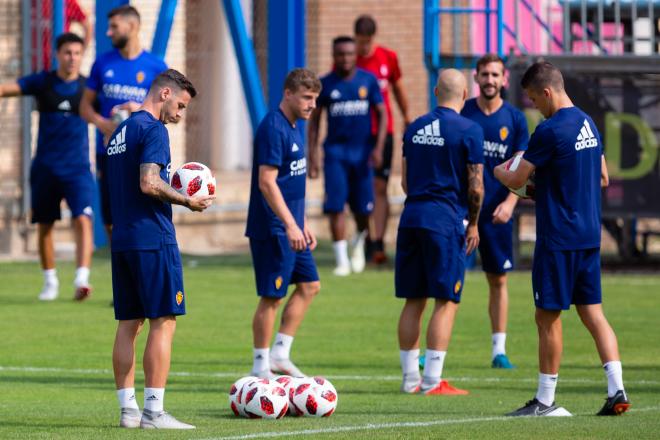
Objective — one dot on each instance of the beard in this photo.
(487, 95)
(120, 42)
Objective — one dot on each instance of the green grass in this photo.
(56, 379)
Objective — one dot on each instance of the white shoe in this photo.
(82, 292)
(285, 366)
(342, 271)
(411, 383)
(130, 418)
(263, 374)
(162, 420)
(49, 292)
(358, 260)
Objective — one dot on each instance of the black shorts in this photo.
(384, 171)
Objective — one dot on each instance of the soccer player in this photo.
(147, 279)
(384, 65)
(119, 82)
(505, 133)
(566, 154)
(281, 242)
(60, 168)
(442, 177)
(348, 95)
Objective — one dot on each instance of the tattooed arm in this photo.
(152, 185)
(475, 199)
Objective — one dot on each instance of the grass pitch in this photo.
(56, 373)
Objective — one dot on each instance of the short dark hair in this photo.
(541, 75)
(174, 78)
(365, 25)
(489, 58)
(125, 11)
(342, 39)
(301, 77)
(67, 37)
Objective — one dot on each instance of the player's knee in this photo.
(311, 289)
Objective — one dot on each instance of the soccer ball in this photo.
(315, 397)
(264, 399)
(193, 179)
(527, 191)
(235, 401)
(289, 384)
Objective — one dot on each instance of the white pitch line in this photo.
(380, 426)
(231, 375)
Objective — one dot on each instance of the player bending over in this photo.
(566, 154)
(442, 178)
(147, 278)
(280, 239)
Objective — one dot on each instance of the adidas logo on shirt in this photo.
(294, 148)
(109, 74)
(335, 94)
(64, 106)
(586, 138)
(118, 143)
(429, 135)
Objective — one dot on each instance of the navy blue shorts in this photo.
(276, 266)
(48, 190)
(562, 278)
(104, 188)
(429, 264)
(347, 182)
(148, 284)
(496, 246)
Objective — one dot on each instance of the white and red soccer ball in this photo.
(193, 179)
(235, 395)
(289, 384)
(314, 397)
(264, 399)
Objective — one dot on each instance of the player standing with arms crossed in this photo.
(505, 133)
(442, 177)
(566, 154)
(119, 81)
(384, 65)
(280, 240)
(147, 278)
(348, 95)
(61, 167)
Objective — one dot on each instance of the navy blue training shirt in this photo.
(348, 102)
(505, 133)
(566, 150)
(438, 147)
(140, 222)
(63, 143)
(279, 144)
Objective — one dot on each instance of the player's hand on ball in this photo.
(200, 203)
(471, 238)
(297, 239)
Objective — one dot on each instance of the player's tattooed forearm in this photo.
(475, 191)
(153, 185)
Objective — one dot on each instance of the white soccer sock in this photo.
(82, 277)
(260, 361)
(50, 277)
(153, 399)
(435, 360)
(281, 346)
(546, 390)
(499, 341)
(341, 253)
(614, 374)
(126, 397)
(409, 361)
